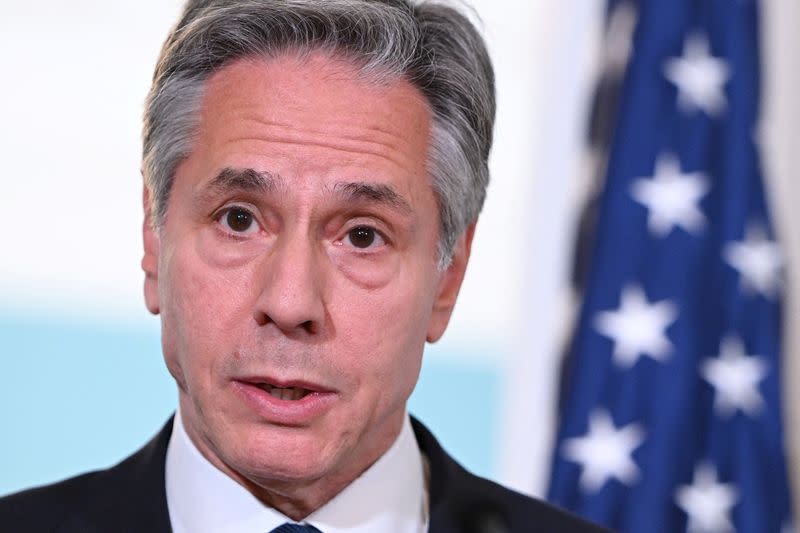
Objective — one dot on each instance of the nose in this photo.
(291, 294)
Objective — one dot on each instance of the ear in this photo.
(150, 259)
(449, 285)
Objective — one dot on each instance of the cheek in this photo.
(201, 310)
(387, 329)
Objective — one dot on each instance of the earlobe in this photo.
(150, 258)
(449, 285)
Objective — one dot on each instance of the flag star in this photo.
(671, 197)
(637, 327)
(707, 502)
(700, 77)
(758, 260)
(605, 452)
(735, 377)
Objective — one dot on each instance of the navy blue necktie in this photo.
(295, 528)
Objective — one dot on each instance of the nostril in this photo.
(261, 318)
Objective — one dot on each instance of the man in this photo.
(313, 174)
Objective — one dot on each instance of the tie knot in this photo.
(295, 528)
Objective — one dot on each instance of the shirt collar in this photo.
(389, 496)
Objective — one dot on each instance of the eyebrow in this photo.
(373, 193)
(240, 179)
(251, 180)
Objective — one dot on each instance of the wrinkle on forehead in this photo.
(317, 102)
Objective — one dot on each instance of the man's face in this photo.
(296, 271)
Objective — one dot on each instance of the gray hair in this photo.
(430, 44)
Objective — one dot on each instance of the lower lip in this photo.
(285, 412)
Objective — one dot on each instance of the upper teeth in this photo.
(290, 393)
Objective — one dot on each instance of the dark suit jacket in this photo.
(131, 497)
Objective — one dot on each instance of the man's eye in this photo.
(364, 237)
(238, 220)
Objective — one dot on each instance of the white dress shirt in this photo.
(389, 497)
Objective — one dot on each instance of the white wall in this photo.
(545, 58)
(74, 79)
(781, 148)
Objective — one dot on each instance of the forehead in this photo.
(312, 110)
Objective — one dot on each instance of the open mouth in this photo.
(291, 402)
(284, 393)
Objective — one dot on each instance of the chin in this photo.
(283, 454)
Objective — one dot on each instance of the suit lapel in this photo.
(459, 501)
(442, 488)
(131, 496)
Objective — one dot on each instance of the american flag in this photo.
(671, 416)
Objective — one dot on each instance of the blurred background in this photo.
(82, 383)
